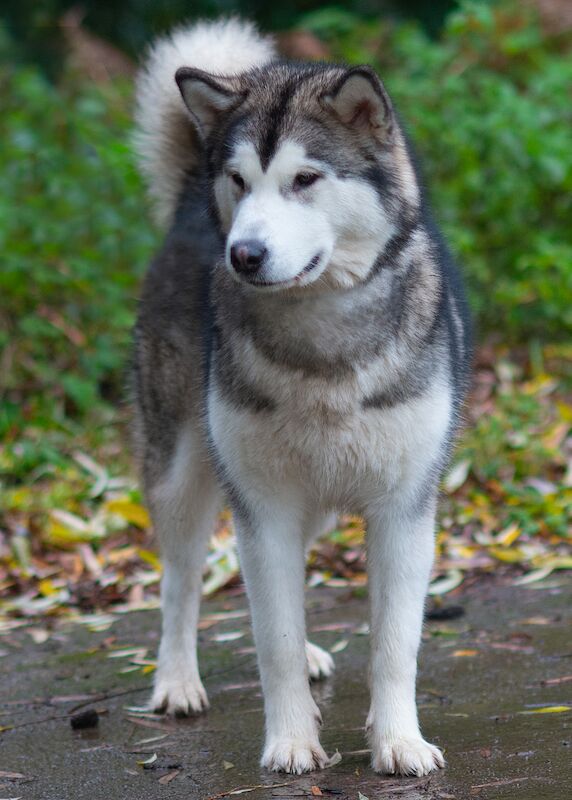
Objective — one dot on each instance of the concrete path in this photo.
(481, 676)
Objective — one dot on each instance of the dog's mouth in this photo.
(310, 266)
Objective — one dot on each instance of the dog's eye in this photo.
(238, 180)
(305, 179)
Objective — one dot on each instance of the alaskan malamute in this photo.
(301, 349)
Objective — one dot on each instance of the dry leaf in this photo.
(169, 777)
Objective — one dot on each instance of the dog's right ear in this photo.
(207, 96)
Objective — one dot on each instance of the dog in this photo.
(302, 349)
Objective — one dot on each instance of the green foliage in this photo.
(74, 239)
(489, 111)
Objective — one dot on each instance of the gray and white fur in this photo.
(301, 350)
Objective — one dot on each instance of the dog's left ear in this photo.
(360, 101)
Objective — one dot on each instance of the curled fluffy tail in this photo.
(165, 140)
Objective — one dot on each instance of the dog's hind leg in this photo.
(320, 662)
(400, 546)
(184, 504)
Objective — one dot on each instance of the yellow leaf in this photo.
(133, 513)
(565, 411)
(509, 556)
(559, 562)
(464, 551)
(47, 588)
(508, 536)
(548, 710)
(148, 668)
(150, 558)
(58, 534)
(465, 653)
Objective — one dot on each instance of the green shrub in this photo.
(74, 238)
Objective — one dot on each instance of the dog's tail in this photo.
(165, 141)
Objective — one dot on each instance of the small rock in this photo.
(85, 719)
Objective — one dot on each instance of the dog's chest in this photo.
(321, 435)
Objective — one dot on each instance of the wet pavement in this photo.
(484, 678)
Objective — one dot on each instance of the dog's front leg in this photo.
(400, 555)
(271, 550)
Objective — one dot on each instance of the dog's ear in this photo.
(360, 101)
(207, 96)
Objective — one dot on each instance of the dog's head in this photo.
(310, 170)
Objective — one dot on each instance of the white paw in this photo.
(179, 697)
(294, 756)
(320, 663)
(406, 756)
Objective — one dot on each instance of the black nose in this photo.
(246, 256)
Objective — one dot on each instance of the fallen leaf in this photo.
(11, 775)
(513, 648)
(231, 636)
(133, 513)
(39, 635)
(532, 577)
(151, 739)
(548, 710)
(228, 764)
(362, 630)
(245, 789)
(464, 653)
(147, 762)
(457, 476)
(446, 584)
(169, 777)
(138, 652)
(554, 681)
(497, 783)
(316, 791)
(339, 646)
(332, 626)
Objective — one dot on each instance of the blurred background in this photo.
(485, 89)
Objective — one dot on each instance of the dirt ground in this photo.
(493, 690)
